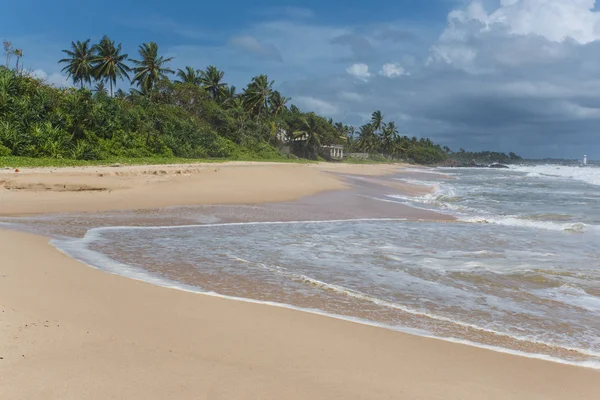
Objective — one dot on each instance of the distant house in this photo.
(334, 152)
(283, 136)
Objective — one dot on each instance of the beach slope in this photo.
(72, 332)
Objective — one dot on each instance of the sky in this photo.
(503, 75)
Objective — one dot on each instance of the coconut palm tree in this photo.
(257, 95)
(400, 145)
(120, 94)
(80, 64)
(211, 80)
(150, 68)
(310, 129)
(389, 132)
(377, 120)
(277, 103)
(19, 54)
(229, 96)
(100, 88)
(110, 63)
(8, 51)
(367, 139)
(189, 75)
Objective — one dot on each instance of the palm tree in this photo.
(277, 103)
(367, 139)
(100, 88)
(120, 94)
(110, 63)
(257, 95)
(229, 96)
(8, 51)
(400, 145)
(211, 80)
(19, 54)
(80, 64)
(310, 129)
(151, 68)
(377, 120)
(389, 133)
(189, 75)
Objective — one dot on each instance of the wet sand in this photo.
(71, 332)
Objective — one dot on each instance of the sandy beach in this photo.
(68, 331)
(92, 189)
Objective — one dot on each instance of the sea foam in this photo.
(81, 249)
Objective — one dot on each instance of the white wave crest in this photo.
(571, 295)
(589, 175)
(384, 303)
(576, 227)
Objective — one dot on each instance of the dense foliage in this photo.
(197, 115)
(485, 157)
(378, 137)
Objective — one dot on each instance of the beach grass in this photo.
(373, 159)
(29, 162)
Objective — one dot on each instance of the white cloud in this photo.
(555, 21)
(55, 78)
(317, 105)
(360, 71)
(392, 70)
(582, 112)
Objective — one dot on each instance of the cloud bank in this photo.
(522, 75)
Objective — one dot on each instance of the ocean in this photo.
(518, 270)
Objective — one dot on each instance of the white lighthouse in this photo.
(584, 160)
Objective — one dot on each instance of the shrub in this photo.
(4, 151)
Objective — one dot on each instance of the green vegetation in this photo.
(20, 162)
(378, 137)
(463, 157)
(197, 116)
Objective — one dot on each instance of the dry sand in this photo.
(88, 189)
(71, 332)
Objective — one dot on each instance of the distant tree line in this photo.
(484, 157)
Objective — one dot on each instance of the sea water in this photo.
(518, 271)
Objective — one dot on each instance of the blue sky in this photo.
(508, 75)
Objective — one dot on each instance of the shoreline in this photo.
(298, 347)
(166, 283)
(110, 329)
